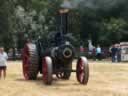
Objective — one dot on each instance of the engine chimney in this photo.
(63, 20)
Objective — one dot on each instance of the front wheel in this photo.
(47, 70)
(82, 70)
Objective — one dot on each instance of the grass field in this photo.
(106, 79)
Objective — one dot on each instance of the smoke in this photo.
(92, 4)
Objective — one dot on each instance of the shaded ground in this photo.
(106, 79)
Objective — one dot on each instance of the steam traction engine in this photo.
(54, 59)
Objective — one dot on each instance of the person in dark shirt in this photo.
(118, 53)
(114, 53)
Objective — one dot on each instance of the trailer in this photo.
(124, 51)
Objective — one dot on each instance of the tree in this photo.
(6, 24)
(112, 30)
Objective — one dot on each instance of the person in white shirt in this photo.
(98, 52)
(3, 62)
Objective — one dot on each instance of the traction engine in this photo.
(54, 57)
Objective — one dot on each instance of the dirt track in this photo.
(106, 79)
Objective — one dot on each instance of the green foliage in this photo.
(6, 23)
(112, 30)
(103, 24)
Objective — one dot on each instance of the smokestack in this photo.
(63, 13)
(66, 4)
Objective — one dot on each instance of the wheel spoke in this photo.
(82, 77)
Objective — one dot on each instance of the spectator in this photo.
(118, 53)
(82, 50)
(94, 53)
(3, 61)
(114, 53)
(10, 54)
(98, 52)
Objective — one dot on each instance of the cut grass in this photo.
(106, 79)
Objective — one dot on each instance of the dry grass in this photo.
(106, 79)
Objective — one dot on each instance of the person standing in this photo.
(114, 53)
(98, 52)
(118, 53)
(82, 50)
(3, 61)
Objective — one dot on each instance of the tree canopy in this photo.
(103, 21)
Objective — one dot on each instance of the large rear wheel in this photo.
(30, 62)
(82, 70)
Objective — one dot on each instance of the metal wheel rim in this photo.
(45, 70)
